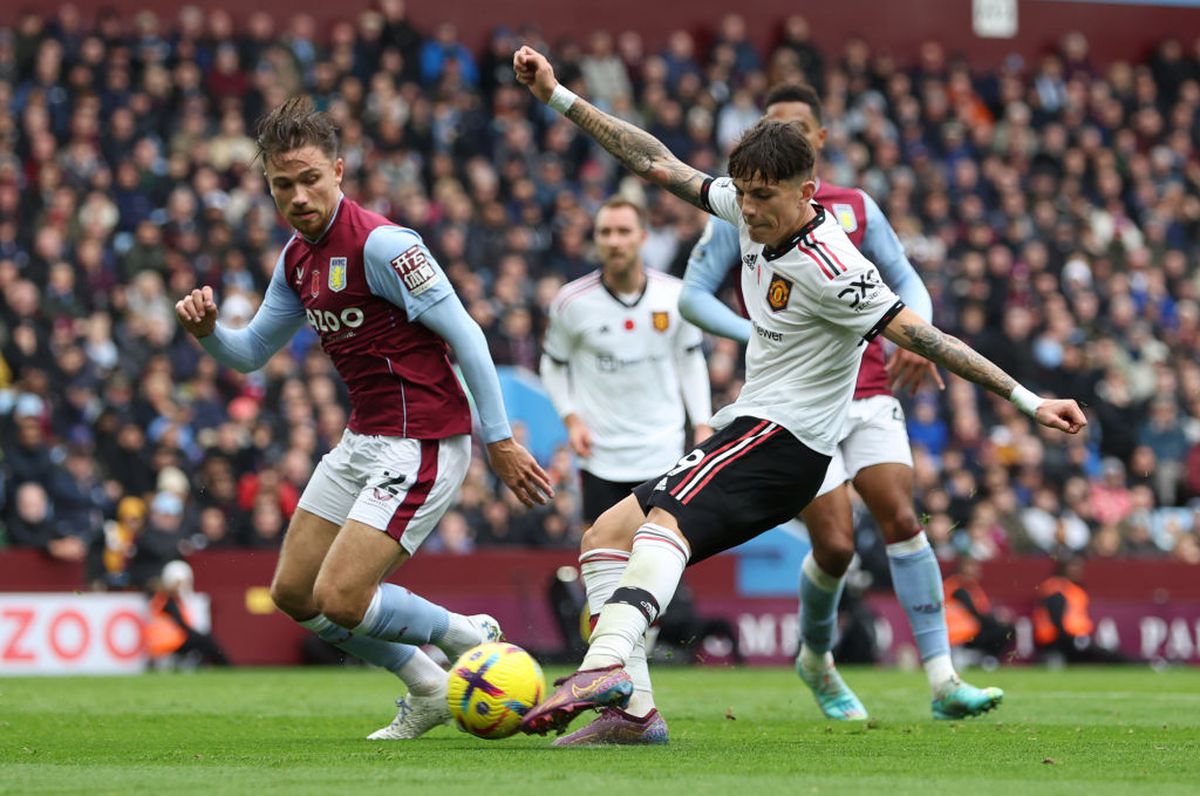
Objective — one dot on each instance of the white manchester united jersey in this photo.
(813, 303)
(625, 360)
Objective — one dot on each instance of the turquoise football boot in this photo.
(965, 700)
(833, 696)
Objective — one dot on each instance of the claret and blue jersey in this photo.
(384, 311)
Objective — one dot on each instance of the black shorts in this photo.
(747, 478)
(600, 495)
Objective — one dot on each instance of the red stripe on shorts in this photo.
(700, 464)
(418, 492)
(733, 458)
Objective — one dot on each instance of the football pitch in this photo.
(733, 731)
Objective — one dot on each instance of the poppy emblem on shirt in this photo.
(845, 216)
(337, 274)
(315, 288)
(778, 293)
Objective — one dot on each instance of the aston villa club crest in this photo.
(337, 274)
(315, 287)
(778, 293)
(660, 320)
(845, 216)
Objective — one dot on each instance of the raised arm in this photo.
(641, 152)
(909, 331)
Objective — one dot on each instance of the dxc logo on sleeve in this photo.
(860, 289)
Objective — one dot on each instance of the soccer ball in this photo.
(492, 687)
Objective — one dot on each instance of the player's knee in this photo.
(834, 555)
(296, 603)
(899, 525)
(614, 529)
(598, 535)
(340, 605)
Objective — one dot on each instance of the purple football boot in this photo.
(585, 690)
(616, 727)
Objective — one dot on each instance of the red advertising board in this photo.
(1147, 608)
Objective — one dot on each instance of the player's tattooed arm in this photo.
(642, 153)
(908, 330)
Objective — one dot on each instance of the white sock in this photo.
(642, 701)
(423, 676)
(643, 593)
(941, 674)
(462, 633)
(601, 570)
(815, 662)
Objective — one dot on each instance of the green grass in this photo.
(301, 731)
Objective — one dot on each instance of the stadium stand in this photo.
(1052, 206)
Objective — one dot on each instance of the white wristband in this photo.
(1026, 400)
(562, 98)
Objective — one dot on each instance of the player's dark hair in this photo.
(295, 124)
(772, 151)
(618, 200)
(795, 92)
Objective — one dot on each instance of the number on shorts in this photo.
(691, 460)
(390, 483)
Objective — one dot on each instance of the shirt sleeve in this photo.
(401, 269)
(719, 197)
(559, 342)
(277, 319)
(714, 254)
(882, 246)
(556, 378)
(693, 374)
(450, 320)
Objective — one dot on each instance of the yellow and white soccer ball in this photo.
(492, 687)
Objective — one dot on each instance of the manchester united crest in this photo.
(337, 274)
(778, 293)
(660, 320)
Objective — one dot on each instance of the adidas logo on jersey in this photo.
(749, 259)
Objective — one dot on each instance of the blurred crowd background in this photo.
(1052, 208)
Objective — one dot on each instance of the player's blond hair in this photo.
(616, 201)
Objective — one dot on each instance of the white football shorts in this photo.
(400, 486)
(875, 434)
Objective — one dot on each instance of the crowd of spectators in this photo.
(1053, 209)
